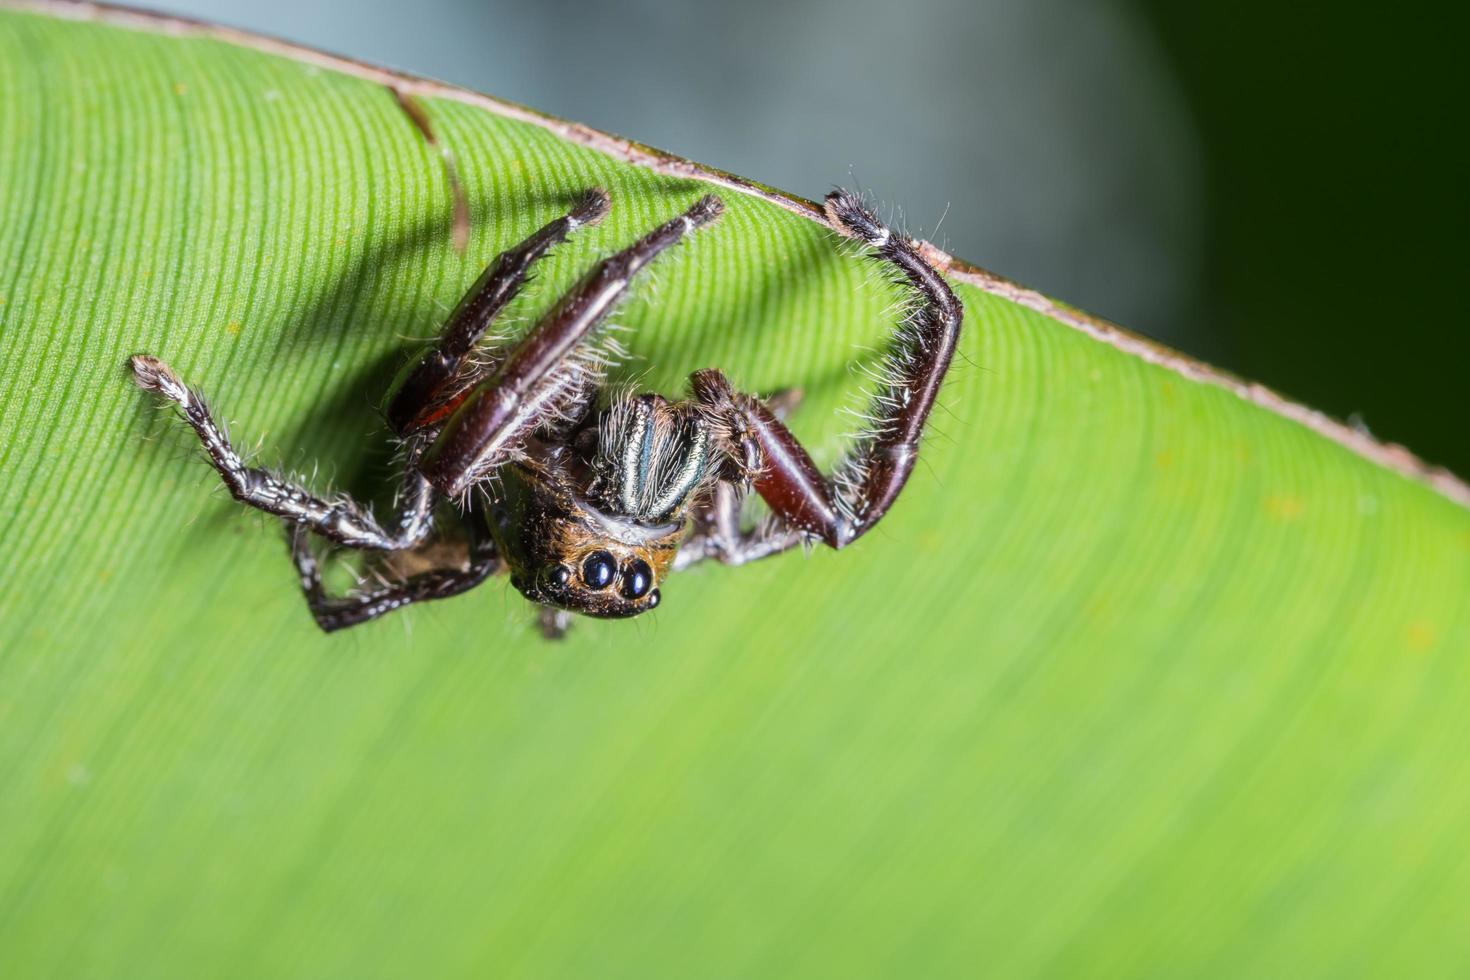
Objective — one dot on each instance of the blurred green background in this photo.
(1263, 186)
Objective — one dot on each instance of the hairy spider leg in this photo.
(717, 533)
(333, 613)
(341, 519)
(806, 505)
(429, 391)
(540, 374)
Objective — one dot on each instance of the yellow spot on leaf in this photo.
(1164, 459)
(1284, 507)
(1420, 636)
(341, 241)
(233, 327)
(180, 88)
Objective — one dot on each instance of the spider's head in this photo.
(601, 578)
(562, 551)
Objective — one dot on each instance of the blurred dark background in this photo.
(1274, 188)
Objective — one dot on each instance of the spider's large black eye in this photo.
(598, 570)
(637, 579)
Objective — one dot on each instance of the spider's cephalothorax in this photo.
(586, 503)
(594, 531)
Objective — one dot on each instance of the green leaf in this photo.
(1148, 672)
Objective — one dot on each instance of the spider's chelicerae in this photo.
(588, 505)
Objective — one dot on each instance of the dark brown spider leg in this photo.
(534, 380)
(333, 613)
(871, 475)
(423, 388)
(341, 519)
(875, 470)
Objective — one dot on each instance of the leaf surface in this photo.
(1140, 676)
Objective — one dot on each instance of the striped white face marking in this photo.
(655, 458)
(635, 455)
(686, 477)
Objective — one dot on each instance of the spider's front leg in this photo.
(541, 374)
(437, 382)
(768, 458)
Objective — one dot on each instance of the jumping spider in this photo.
(587, 505)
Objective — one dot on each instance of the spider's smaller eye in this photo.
(559, 576)
(637, 579)
(598, 570)
(653, 599)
